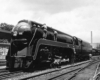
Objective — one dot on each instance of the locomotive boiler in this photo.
(33, 43)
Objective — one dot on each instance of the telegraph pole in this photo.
(91, 38)
(91, 45)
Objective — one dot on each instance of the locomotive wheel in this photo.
(28, 66)
(11, 65)
(25, 65)
(71, 57)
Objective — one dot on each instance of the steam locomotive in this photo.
(33, 43)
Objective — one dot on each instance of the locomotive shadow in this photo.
(45, 66)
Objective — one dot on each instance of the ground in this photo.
(88, 73)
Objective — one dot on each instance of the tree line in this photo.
(6, 27)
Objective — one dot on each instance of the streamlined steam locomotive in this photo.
(33, 43)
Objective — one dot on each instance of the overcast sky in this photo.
(75, 17)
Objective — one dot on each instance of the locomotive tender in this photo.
(33, 43)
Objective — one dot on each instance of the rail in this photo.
(4, 44)
(52, 73)
(96, 74)
(49, 74)
(74, 77)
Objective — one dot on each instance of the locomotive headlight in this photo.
(20, 28)
(20, 33)
(24, 28)
(15, 33)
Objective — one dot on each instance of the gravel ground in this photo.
(98, 77)
(87, 73)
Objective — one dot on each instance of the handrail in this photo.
(33, 37)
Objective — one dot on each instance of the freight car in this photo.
(33, 43)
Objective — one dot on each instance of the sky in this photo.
(75, 17)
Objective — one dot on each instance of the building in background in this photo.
(96, 46)
(5, 37)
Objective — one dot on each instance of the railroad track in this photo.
(6, 74)
(3, 62)
(96, 75)
(3, 70)
(48, 74)
(91, 74)
(53, 73)
(74, 76)
(70, 75)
